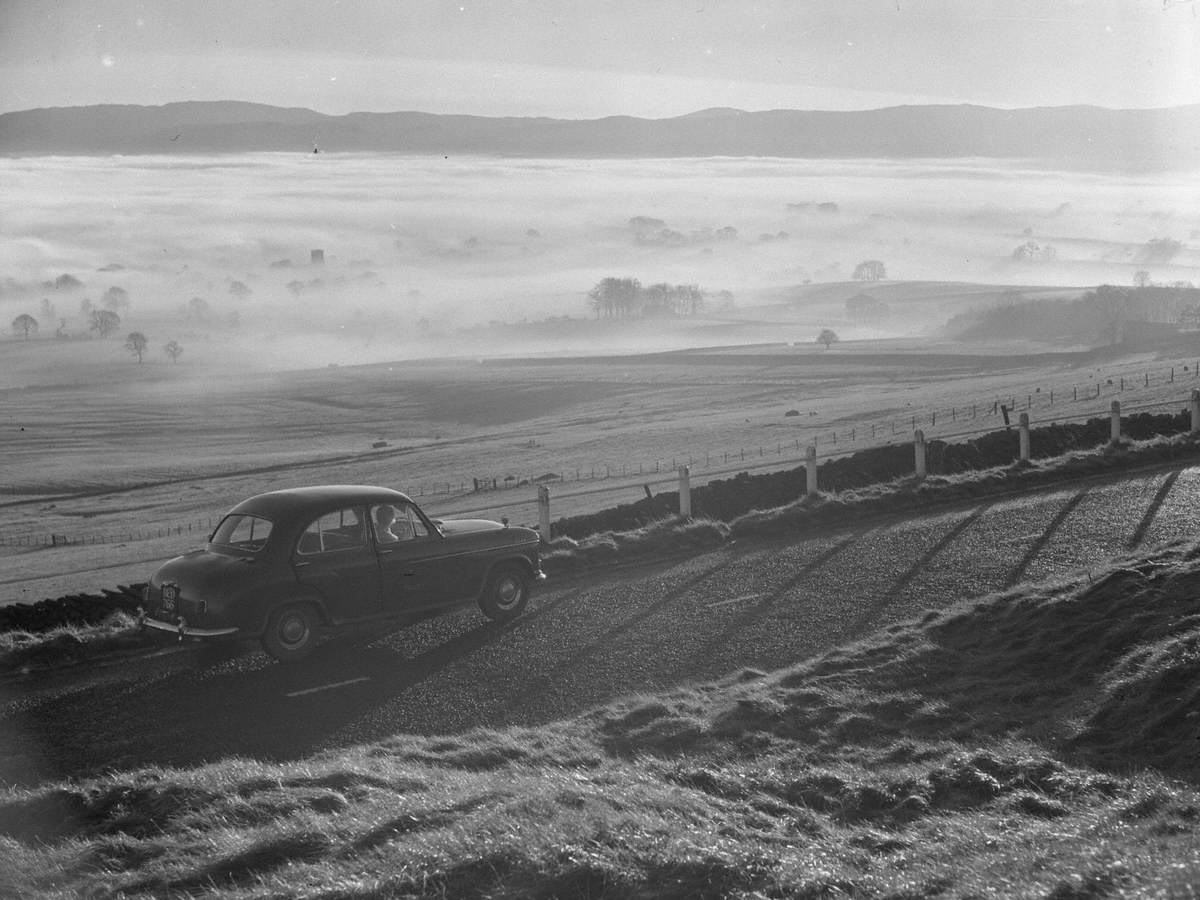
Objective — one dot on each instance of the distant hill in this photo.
(1081, 135)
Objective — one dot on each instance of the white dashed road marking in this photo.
(327, 687)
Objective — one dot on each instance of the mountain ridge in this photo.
(1163, 137)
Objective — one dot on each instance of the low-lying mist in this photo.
(420, 253)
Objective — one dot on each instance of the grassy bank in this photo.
(1038, 743)
(904, 495)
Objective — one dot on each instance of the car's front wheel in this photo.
(291, 632)
(506, 594)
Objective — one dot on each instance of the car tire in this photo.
(291, 632)
(506, 593)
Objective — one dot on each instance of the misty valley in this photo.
(285, 261)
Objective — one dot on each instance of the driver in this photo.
(384, 517)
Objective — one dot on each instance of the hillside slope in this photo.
(1041, 742)
(1076, 135)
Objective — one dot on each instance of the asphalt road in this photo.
(762, 604)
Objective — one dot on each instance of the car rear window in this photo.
(339, 530)
(240, 532)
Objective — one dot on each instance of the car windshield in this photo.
(238, 532)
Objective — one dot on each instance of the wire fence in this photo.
(498, 493)
(939, 422)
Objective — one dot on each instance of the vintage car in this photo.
(284, 565)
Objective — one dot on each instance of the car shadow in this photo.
(212, 701)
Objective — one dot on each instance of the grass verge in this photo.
(821, 510)
(1036, 743)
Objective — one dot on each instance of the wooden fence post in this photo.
(1115, 427)
(919, 452)
(685, 492)
(543, 497)
(810, 467)
(1024, 437)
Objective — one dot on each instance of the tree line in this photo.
(627, 298)
(104, 322)
(1107, 315)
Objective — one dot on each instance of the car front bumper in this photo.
(183, 629)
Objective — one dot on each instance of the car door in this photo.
(335, 557)
(412, 572)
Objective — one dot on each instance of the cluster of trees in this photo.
(1160, 250)
(1032, 251)
(137, 344)
(1102, 316)
(810, 206)
(870, 270)
(104, 322)
(624, 298)
(649, 230)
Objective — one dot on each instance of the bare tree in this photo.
(173, 350)
(1141, 278)
(24, 324)
(105, 322)
(136, 343)
(827, 336)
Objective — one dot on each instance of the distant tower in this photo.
(316, 257)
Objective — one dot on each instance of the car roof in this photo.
(292, 501)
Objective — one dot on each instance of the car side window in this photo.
(416, 528)
(340, 530)
(395, 523)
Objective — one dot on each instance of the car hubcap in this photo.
(293, 630)
(508, 593)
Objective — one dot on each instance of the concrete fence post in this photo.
(1115, 429)
(810, 466)
(685, 492)
(1024, 437)
(543, 493)
(919, 452)
(1195, 411)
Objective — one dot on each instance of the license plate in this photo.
(170, 594)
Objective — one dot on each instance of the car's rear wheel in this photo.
(506, 594)
(291, 632)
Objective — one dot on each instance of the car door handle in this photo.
(301, 565)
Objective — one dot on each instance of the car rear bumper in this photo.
(183, 629)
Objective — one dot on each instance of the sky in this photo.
(577, 59)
